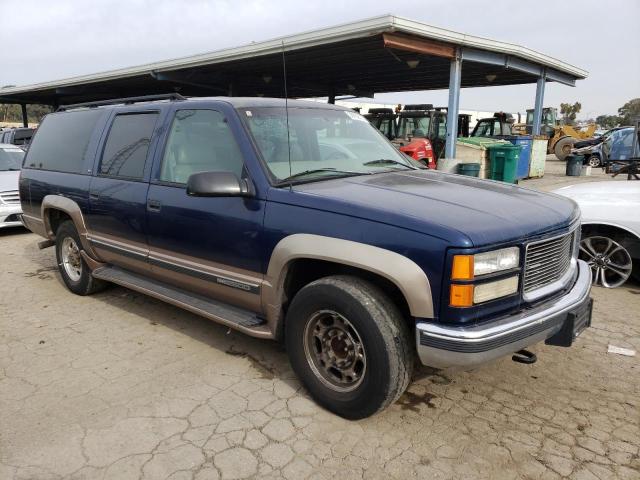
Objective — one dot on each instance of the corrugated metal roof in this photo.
(310, 39)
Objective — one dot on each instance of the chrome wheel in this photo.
(610, 262)
(71, 259)
(335, 351)
(594, 161)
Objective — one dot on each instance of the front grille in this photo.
(547, 261)
(11, 196)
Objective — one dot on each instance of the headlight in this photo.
(467, 267)
(470, 267)
(492, 290)
(496, 261)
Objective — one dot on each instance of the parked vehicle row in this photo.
(11, 158)
(417, 130)
(305, 225)
(17, 136)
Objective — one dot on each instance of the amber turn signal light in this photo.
(461, 295)
(462, 267)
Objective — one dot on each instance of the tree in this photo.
(608, 121)
(11, 112)
(569, 112)
(630, 111)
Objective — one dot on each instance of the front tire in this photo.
(349, 345)
(563, 147)
(73, 269)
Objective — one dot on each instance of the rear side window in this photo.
(126, 149)
(62, 140)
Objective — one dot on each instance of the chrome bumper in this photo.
(444, 346)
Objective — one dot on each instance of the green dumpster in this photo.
(574, 165)
(504, 162)
(470, 169)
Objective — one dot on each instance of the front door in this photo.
(118, 193)
(209, 245)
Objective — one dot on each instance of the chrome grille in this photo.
(11, 196)
(547, 261)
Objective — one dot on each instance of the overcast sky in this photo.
(50, 40)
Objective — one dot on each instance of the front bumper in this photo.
(10, 215)
(445, 346)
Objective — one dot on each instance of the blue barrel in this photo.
(526, 144)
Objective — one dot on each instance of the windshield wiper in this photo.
(318, 170)
(388, 161)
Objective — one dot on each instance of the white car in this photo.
(610, 229)
(10, 164)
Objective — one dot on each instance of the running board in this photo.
(220, 312)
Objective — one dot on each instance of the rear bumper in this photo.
(10, 215)
(444, 346)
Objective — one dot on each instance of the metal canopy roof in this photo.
(359, 58)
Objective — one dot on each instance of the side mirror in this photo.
(217, 184)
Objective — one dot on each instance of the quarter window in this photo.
(199, 141)
(126, 149)
(62, 141)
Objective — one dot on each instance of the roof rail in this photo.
(125, 101)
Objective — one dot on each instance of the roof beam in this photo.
(482, 56)
(555, 76)
(418, 45)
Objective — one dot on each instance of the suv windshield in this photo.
(10, 159)
(321, 143)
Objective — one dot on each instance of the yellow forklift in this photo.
(561, 137)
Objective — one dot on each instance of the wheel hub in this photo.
(71, 259)
(335, 351)
(610, 262)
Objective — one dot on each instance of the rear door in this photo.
(118, 191)
(209, 245)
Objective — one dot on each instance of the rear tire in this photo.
(563, 147)
(349, 345)
(73, 269)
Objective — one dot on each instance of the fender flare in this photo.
(400, 270)
(71, 208)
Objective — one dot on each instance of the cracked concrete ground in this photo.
(121, 386)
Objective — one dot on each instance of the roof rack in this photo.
(418, 106)
(388, 111)
(125, 101)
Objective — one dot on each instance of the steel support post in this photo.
(537, 108)
(455, 75)
(25, 119)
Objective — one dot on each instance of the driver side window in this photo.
(199, 141)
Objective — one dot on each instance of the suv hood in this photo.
(464, 211)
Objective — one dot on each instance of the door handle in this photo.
(154, 205)
(94, 196)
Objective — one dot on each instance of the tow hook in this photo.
(524, 356)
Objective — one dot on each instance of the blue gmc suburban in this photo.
(304, 224)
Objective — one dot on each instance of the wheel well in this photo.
(303, 271)
(56, 217)
(630, 241)
(609, 230)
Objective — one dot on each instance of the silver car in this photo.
(11, 157)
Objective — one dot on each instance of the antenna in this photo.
(286, 109)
